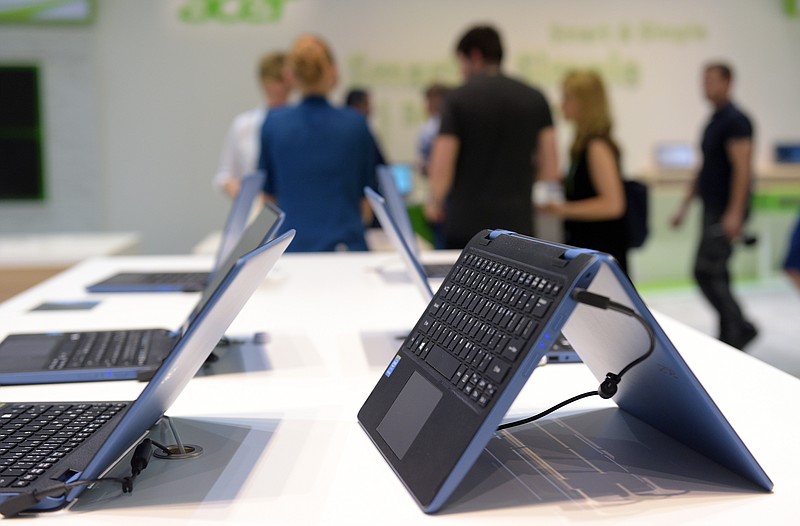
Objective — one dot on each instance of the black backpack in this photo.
(636, 213)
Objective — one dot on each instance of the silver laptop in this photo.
(195, 281)
(105, 431)
(118, 354)
(675, 156)
(395, 205)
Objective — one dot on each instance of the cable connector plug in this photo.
(590, 298)
(608, 388)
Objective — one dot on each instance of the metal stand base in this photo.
(179, 450)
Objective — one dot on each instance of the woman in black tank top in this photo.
(595, 197)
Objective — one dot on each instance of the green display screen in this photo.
(21, 167)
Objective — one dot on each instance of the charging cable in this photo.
(608, 387)
(141, 457)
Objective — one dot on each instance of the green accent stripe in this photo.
(30, 14)
(777, 200)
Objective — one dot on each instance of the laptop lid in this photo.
(662, 391)
(198, 281)
(250, 189)
(25, 358)
(675, 156)
(431, 431)
(188, 355)
(262, 229)
(412, 263)
(395, 205)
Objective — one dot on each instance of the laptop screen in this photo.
(262, 229)
(396, 206)
(410, 260)
(191, 351)
(250, 188)
(675, 156)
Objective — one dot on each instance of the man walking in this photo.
(723, 186)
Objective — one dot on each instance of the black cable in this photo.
(547, 411)
(608, 387)
(16, 505)
(139, 460)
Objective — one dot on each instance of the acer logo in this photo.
(232, 11)
(666, 370)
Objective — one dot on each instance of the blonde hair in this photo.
(594, 115)
(309, 61)
(271, 65)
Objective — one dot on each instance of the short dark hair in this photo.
(725, 70)
(484, 39)
(355, 96)
(436, 90)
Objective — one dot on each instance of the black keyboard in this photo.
(170, 278)
(34, 437)
(103, 349)
(479, 324)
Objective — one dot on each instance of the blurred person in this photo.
(496, 136)
(791, 264)
(434, 99)
(242, 143)
(359, 100)
(595, 198)
(723, 185)
(317, 158)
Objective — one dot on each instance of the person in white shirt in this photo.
(434, 98)
(241, 149)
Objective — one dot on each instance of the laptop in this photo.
(787, 153)
(118, 354)
(115, 427)
(396, 206)
(195, 281)
(675, 156)
(442, 397)
(560, 352)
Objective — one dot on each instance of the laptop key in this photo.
(443, 362)
(541, 308)
(512, 350)
(98, 351)
(459, 373)
(497, 370)
(82, 351)
(130, 349)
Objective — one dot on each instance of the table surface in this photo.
(63, 249)
(282, 444)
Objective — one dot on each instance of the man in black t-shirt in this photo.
(496, 136)
(723, 185)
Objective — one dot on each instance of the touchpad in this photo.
(26, 352)
(408, 413)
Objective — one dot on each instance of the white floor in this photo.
(772, 305)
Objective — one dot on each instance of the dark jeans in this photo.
(713, 277)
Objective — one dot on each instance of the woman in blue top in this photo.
(318, 158)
